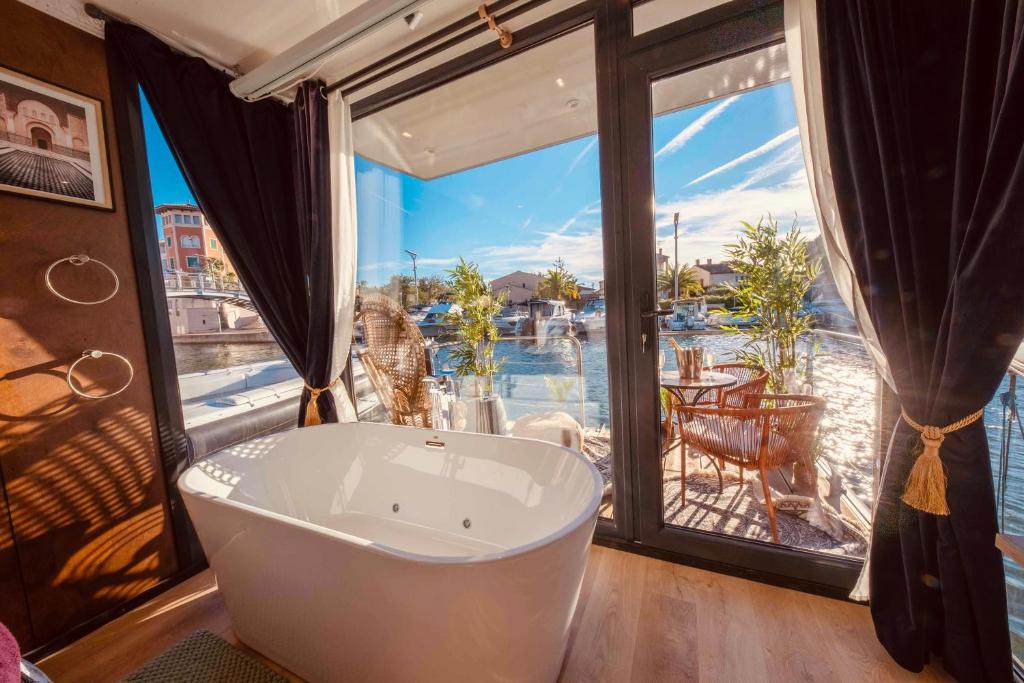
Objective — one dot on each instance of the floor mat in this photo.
(204, 658)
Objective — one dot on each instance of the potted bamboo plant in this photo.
(777, 276)
(472, 319)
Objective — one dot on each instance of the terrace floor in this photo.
(832, 525)
(638, 619)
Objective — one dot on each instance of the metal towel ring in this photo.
(99, 354)
(80, 260)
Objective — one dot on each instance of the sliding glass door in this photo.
(720, 220)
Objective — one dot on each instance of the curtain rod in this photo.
(469, 20)
(100, 14)
(408, 55)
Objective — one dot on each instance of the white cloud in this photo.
(710, 220)
(579, 157)
(583, 253)
(752, 154)
(437, 261)
(697, 126)
(790, 159)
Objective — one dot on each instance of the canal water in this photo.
(202, 357)
(544, 376)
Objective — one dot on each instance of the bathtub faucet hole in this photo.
(466, 523)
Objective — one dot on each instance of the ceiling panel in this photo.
(517, 106)
(535, 99)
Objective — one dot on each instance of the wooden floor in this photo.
(639, 619)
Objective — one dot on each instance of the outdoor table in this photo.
(678, 386)
(707, 381)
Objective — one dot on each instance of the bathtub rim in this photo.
(589, 511)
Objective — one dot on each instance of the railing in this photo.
(574, 343)
(180, 281)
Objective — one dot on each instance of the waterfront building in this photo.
(519, 284)
(711, 274)
(188, 239)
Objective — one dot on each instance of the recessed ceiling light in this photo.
(559, 82)
(406, 134)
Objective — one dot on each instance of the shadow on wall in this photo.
(88, 529)
(84, 521)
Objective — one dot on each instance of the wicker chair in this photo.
(395, 361)
(772, 431)
(749, 381)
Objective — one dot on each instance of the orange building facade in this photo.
(189, 241)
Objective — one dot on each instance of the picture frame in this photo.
(53, 143)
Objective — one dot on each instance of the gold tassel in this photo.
(926, 485)
(925, 489)
(312, 409)
(312, 416)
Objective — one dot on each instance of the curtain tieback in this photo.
(926, 486)
(312, 409)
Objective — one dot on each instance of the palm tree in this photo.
(432, 288)
(402, 288)
(689, 283)
(558, 283)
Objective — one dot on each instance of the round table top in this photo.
(707, 380)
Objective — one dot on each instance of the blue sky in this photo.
(725, 161)
(169, 187)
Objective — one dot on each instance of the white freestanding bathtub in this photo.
(365, 552)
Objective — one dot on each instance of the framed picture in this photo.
(52, 143)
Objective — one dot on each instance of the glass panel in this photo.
(499, 169)
(653, 14)
(228, 363)
(792, 470)
(1005, 427)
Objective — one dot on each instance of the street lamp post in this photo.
(415, 279)
(675, 220)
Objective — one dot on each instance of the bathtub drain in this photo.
(394, 508)
(466, 523)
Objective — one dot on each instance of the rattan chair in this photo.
(772, 431)
(395, 360)
(749, 381)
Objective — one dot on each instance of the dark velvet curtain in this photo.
(312, 170)
(259, 172)
(924, 109)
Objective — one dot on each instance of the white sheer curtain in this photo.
(343, 228)
(801, 18)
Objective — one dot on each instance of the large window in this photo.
(496, 174)
(228, 363)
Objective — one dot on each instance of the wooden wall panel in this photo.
(83, 479)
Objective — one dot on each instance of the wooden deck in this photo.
(639, 619)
